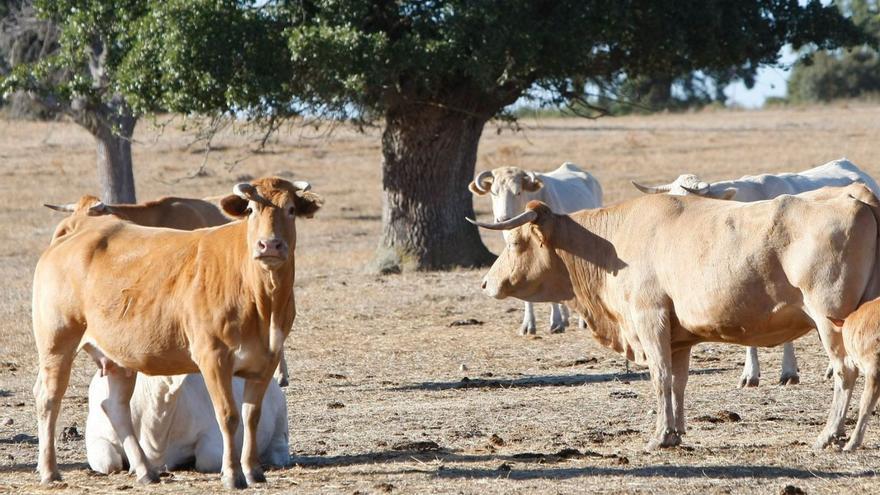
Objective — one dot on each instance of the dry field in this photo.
(376, 365)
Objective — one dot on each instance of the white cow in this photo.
(751, 188)
(174, 422)
(566, 189)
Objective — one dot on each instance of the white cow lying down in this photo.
(175, 425)
(750, 188)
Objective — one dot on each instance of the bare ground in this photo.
(386, 396)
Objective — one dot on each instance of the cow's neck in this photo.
(272, 291)
(581, 241)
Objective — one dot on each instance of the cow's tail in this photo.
(865, 196)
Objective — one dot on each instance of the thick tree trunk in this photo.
(429, 157)
(115, 172)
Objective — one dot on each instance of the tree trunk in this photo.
(114, 159)
(429, 157)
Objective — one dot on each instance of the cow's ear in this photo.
(542, 226)
(234, 206)
(728, 193)
(307, 203)
(472, 187)
(532, 184)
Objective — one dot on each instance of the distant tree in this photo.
(432, 73)
(833, 74)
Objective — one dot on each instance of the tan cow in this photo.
(169, 212)
(656, 275)
(861, 337)
(163, 302)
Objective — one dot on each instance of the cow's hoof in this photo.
(826, 440)
(789, 379)
(50, 478)
(255, 476)
(746, 381)
(557, 329)
(149, 477)
(851, 445)
(528, 330)
(665, 440)
(234, 481)
(582, 324)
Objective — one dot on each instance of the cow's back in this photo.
(568, 189)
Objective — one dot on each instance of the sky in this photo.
(770, 81)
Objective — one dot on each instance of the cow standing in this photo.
(218, 301)
(565, 190)
(751, 188)
(168, 212)
(656, 275)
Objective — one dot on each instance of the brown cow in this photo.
(656, 275)
(169, 212)
(162, 302)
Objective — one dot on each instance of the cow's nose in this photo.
(271, 247)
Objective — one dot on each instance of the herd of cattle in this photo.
(185, 312)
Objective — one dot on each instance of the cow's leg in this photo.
(52, 380)
(281, 375)
(869, 401)
(121, 383)
(845, 374)
(789, 374)
(653, 330)
(558, 320)
(528, 323)
(751, 374)
(216, 368)
(251, 409)
(680, 366)
(582, 323)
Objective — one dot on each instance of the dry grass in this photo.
(383, 347)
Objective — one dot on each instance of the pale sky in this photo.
(770, 81)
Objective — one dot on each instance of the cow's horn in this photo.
(699, 191)
(302, 185)
(652, 189)
(532, 176)
(521, 219)
(478, 182)
(244, 190)
(68, 208)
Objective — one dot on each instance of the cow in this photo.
(566, 189)
(750, 188)
(174, 423)
(656, 275)
(218, 301)
(861, 338)
(169, 212)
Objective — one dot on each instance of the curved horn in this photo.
(521, 219)
(302, 185)
(651, 189)
(68, 208)
(244, 190)
(532, 176)
(701, 191)
(478, 182)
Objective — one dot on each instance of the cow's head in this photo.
(688, 184)
(511, 189)
(529, 268)
(87, 205)
(269, 206)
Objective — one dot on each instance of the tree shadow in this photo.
(659, 471)
(542, 381)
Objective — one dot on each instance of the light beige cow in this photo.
(158, 301)
(861, 337)
(169, 212)
(656, 275)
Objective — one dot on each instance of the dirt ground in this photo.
(386, 396)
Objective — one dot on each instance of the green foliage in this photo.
(834, 74)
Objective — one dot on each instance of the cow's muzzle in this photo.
(490, 289)
(271, 250)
